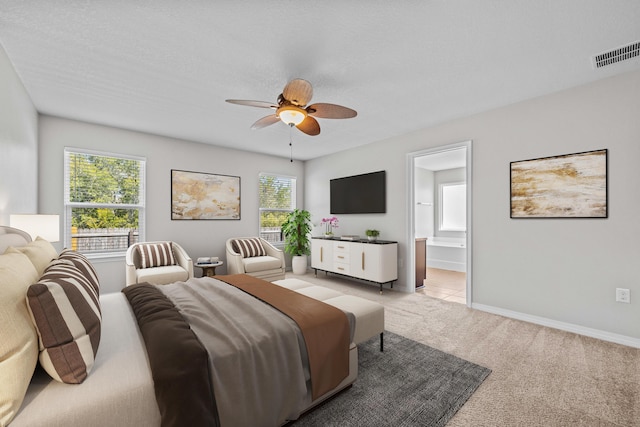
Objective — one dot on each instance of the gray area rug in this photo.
(409, 384)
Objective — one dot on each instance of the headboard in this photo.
(10, 236)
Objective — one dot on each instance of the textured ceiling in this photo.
(166, 67)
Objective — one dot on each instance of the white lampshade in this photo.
(45, 226)
(291, 115)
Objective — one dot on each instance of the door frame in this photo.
(411, 271)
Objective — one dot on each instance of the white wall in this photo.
(199, 238)
(564, 271)
(18, 145)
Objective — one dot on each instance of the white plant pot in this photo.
(299, 264)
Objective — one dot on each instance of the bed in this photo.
(122, 385)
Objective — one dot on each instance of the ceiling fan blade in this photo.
(261, 104)
(265, 121)
(331, 111)
(298, 92)
(309, 126)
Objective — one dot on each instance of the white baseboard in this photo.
(563, 326)
(447, 265)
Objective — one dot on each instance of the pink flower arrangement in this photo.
(329, 224)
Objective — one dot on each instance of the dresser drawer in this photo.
(340, 247)
(342, 268)
(341, 257)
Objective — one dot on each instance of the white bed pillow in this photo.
(19, 343)
(40, 252)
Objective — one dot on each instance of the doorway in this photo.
(440, 221)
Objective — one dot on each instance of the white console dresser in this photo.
(373, 261)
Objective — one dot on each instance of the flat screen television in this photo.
(359, 194)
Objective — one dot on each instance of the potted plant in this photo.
(329, 225)
(372, 234)
(296, 229)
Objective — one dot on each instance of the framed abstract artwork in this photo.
(566, 186)
(199, 195)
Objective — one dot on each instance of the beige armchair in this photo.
(256, 257)
(151, 262)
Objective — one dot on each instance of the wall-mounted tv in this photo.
(358, 194)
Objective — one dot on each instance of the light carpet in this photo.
(409, 384)
(540, 376)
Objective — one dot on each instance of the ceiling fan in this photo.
(291, 108)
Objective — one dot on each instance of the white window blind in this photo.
(277, 199)
(104, 201)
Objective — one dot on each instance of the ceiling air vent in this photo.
(620, 54)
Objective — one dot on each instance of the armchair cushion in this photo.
(249, 248)
(164, 274)
(156, 254)
(262, 263)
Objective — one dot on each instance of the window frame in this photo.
(261, 209)
(69, 206)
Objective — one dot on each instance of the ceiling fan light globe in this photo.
(291, 115)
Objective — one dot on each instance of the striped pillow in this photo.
(156, 254)
(65, 308)
(249, 247)
(83, 264)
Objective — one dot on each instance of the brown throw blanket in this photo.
(210, 346)
(324, 327)
(170, 343)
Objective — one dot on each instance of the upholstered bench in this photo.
(369, 315)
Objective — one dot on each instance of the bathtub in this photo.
(447, 253)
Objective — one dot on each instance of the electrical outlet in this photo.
(400, 263)
(623, 295)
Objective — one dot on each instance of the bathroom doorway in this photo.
(440, 221)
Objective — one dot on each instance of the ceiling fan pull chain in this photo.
(291, 141)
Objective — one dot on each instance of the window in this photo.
(453, 203)
(104, 201)
(277, 199)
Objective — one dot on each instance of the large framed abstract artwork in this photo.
(566, 186)
(199, 195)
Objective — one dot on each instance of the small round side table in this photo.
(209, 268)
